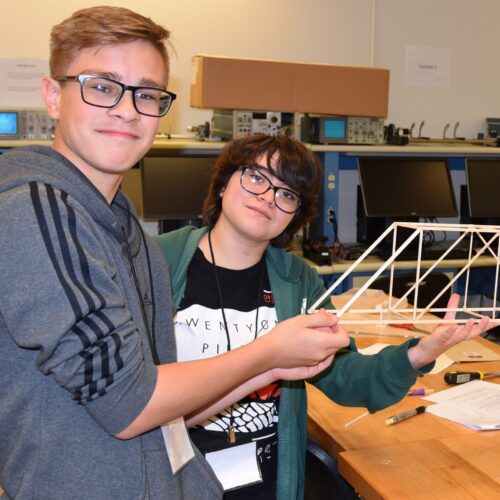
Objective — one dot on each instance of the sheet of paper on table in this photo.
(442, 362)
(471, 350)
(475, 404)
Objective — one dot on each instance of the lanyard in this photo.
(219, 293)
(231, 431)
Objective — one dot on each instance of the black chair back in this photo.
(322, 476)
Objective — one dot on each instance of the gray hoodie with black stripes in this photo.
(85, 310)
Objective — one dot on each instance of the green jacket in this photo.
(374, 382)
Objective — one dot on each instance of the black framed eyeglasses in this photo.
(106, 93)
(255, 182)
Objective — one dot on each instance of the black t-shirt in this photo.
(201, 333)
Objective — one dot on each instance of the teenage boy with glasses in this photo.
(87, 347)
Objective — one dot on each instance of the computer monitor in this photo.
(483, 190)
(406, 188)
(175, 187)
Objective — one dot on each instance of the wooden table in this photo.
(422, 457)
(457, 467)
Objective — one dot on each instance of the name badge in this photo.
(179, 448)
(236, 466)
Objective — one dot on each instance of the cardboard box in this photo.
(226, 83)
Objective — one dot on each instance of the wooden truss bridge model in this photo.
(396, 310)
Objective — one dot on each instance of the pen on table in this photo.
(403, 416)
(420, 392)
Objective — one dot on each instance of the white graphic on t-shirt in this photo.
(200, 331)
(247, 417)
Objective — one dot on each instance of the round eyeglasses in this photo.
(255, 182)
(106, 93)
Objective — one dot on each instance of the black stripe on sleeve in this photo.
(42, 224)
(118, 343)
(101, 344)
(84, 266)
(84, 339)
(63, 245)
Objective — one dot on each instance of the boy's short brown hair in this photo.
(297, 166)
(100, 26)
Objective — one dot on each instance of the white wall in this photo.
(469, 28)
(324, 31)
